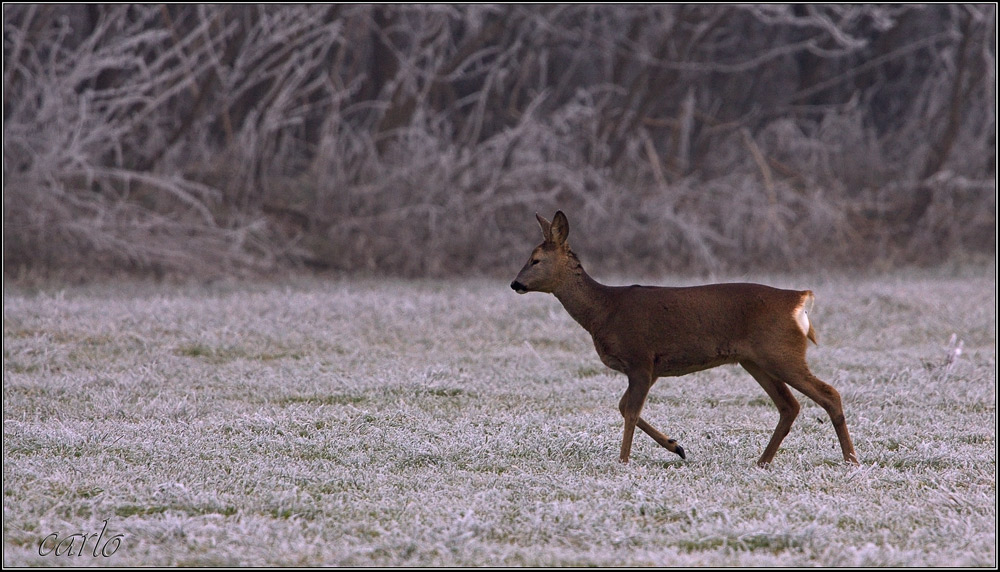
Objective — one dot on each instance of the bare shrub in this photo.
(85, 130)
(416, 140)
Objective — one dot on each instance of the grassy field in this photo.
(455, 423)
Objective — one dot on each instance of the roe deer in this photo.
(649, 332)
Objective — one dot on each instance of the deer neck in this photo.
(583, 297)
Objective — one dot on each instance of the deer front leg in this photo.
(664, 441)
(630, 406)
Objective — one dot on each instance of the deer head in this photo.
(549, 263)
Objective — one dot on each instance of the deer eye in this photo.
(535, 261)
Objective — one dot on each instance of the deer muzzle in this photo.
(518, 287)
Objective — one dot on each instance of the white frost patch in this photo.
(378, 423)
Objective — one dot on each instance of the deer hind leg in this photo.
(788, 408)
(799, 377)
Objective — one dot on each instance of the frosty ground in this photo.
(452, 422)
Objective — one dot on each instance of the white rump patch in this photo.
(801, 313)
(802, 318)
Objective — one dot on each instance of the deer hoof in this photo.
(673, 446)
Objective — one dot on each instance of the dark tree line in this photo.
(419, 140)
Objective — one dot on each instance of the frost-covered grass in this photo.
(456, 423)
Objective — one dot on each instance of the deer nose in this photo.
(518, 287)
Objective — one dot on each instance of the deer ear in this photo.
(560, 228)
(546, 227)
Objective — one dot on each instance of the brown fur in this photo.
(650, 332)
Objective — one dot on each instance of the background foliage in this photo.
(418, 140)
